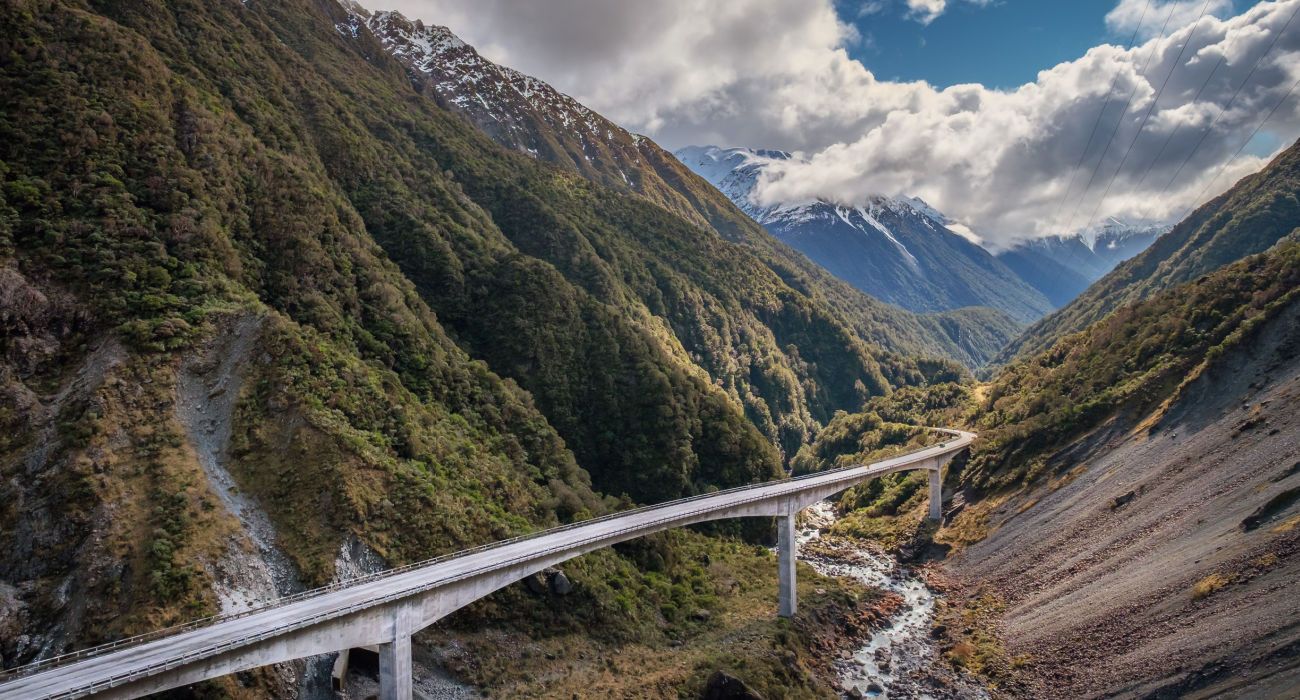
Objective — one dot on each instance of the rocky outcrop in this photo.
(724, 686)
(560, 584)
(549, 582)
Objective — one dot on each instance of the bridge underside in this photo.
(389, 626)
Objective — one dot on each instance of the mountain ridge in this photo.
(609, 155)
(897, 249)
(1246, 219)
(1062, 267)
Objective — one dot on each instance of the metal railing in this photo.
(137, 640)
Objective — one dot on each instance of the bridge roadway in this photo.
(386, 608)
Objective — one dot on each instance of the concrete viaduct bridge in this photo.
(384, 609)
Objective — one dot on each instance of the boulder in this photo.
(1121, 501)
(724, 686)
(560, 584)
(536, 584)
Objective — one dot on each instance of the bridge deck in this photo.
(99, 671)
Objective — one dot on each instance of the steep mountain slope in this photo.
(1134, 500)
(141, 217)
(530, 116)
(1127, 522)
(1247, 219)
(1061, 267)
(526, 114)
(236, 247)
(895, 249)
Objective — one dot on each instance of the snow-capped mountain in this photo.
(898, 249)
(528, 115)
(501, 97)
(1061, 267)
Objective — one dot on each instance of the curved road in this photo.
(386, 608)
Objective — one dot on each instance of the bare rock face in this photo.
(12, 615)
(724, 686)
(35, 322)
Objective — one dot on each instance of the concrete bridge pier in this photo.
(395, 672)
(395, 681)
(786, 544)
(936, 493)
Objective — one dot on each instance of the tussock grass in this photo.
(1209, 585)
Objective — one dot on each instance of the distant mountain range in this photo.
(898, 249)
(1248, 219)
(1061, 267)
(528, 115)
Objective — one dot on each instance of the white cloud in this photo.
(1001, 162)
(926, 11)
(1148, 17)
(871, 7)
(774, 73)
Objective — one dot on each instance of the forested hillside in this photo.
(1247, 219)
(261, 296)
(529, 116)
(1126, 366)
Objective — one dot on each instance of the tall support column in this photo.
(395, 682)
(786, 546)
(936, 494)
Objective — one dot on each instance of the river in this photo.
(900, 660)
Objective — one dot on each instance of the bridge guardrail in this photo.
(136, 640)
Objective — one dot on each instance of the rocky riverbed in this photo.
(901, 660)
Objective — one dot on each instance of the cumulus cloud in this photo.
(1148, 17)
(775, 73)
(1003, 162)
(664, 67)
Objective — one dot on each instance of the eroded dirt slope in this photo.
(1164, 563)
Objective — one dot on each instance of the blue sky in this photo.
(922, 100)
(1000, 45)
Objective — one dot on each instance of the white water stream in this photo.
(900, 660)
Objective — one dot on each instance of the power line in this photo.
(1147, 64)
(1074, 174)
(1228, 105)
(1250, 138)
(1154, 103)
(1172, 133)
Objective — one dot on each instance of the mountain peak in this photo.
(898, 249)
(463, 79)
